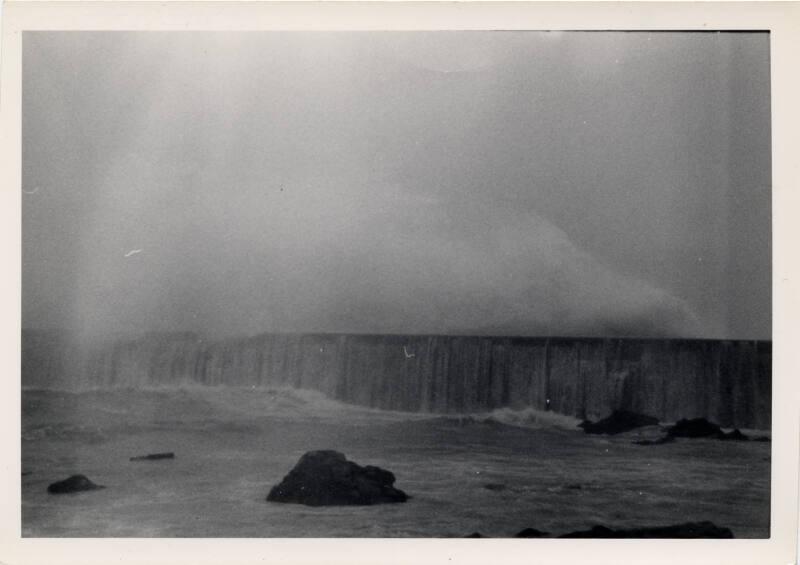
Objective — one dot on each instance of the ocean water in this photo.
(232, 445)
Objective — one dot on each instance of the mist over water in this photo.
(478, 183)
(357, 271)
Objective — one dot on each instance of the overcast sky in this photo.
(469, 182)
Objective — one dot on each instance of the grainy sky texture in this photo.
(441, 182)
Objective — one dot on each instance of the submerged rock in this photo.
(75, 483)
(154, 456)
(327, 478)
(532, 533)
(618, 422)
(702, 428)
(494, 486)
(687, 530)
(696, 428)
(735, 435)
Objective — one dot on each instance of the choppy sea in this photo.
(232, 445)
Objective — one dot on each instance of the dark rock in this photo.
(762, 438)
(474, 535)
(595, 532)
(574, 487)
(618, 422)
(154, 456)
(694, 428)
(494, 486)
(702, 428)
(688, 530)
(327, 478)
(75, 483)
(532, 533)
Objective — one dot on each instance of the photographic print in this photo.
(396, 284)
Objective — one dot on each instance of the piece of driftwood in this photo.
(154, 456)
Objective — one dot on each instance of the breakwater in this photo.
(725, 381)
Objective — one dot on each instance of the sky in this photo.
(514, 183)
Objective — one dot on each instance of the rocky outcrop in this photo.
(618, 422)
(688, 530)
(695, 428)
(531, 533)
(702, 428)
(75, 483)
(327, 478)
(679, 531)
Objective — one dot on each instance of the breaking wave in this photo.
(98, 413)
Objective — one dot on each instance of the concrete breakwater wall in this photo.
(725, 381)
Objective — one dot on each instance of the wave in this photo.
(50, 412)
(529, 418)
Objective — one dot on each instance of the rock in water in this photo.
(696, 428)
(618, 422)
(693, 428)
(735, 435)
(531, 533)
(702, 428)
(75, 483)
(689, 530)
(327, 478)
(494, 486)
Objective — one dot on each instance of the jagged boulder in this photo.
(327, 478)
(75, 483)
(688, 530)
(618, 422)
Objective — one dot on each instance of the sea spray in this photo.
(725, 381)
